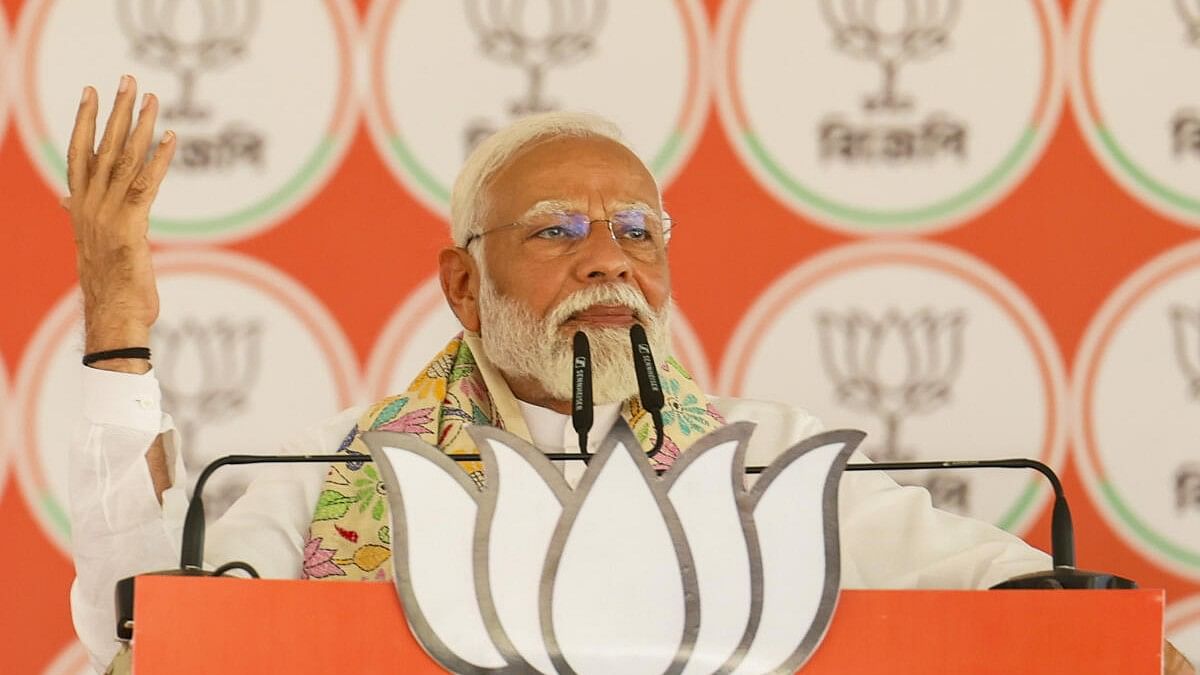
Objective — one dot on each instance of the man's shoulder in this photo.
(325, 436)
(736, 408)
(778, 425)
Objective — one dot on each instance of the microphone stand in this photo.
(191, 554)
(1064, 574)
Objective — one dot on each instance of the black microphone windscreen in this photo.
(581, 384)
(647, 374)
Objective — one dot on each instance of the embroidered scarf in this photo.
(350, 537)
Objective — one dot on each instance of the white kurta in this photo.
(891, 536)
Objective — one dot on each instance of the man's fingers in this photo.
(133, 156)
(144, 187)
(83, 139)
(115, 132)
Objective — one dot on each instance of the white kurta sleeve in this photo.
(892, 536)
(118, 527)
(268, 524)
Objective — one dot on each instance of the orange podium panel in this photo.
(206, 625)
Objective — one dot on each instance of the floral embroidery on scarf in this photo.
(349, 537)
(318, 562)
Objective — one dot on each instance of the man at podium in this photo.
(557, 227)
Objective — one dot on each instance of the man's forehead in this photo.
(584, 154)
(585, 171)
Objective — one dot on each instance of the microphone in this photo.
(649, 389)
(581, 390)
(1064, 575)
(191, 554)
(1062, 531)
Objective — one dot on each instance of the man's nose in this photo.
(600, 256)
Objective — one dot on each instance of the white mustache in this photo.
(606, 294)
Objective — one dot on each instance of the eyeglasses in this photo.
(641, 234)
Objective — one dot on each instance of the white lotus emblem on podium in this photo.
(688, 572)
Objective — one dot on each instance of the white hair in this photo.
(468, 205)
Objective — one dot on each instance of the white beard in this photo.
(522, 345)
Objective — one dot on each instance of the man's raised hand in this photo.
(111, 189)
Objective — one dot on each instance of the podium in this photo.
(206, 625)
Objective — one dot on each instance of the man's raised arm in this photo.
(117, 526)
(111, 189)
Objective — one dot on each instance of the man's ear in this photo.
(460, 284)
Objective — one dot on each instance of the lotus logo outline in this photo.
(208, 371)
(628, 572)
(161, 37)
(859, 353)
(923, 32)
(1189, 13)
(505, 36)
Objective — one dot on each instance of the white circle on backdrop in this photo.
(263, 112)
(1143, 124)
(423, 324)
(1137, 410)
(245, 356)
(932, 352)
(1181, 625)
(804, 97)
(73, 660)
(644, 65)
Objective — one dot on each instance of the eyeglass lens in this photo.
(639, 233)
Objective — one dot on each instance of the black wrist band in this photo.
(126, 353)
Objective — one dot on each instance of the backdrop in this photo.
(966, 226)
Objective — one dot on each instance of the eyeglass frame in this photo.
(667, 222)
